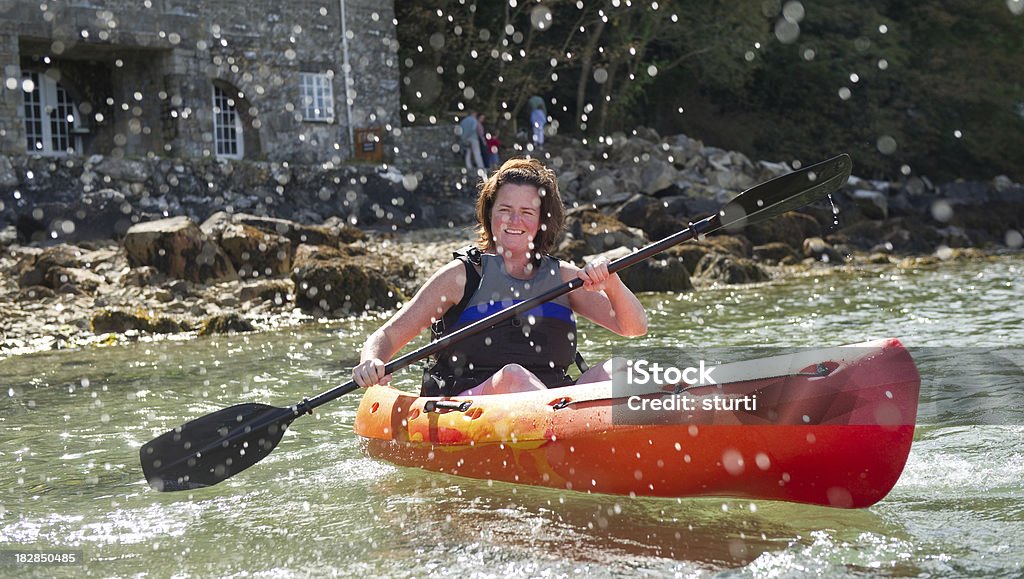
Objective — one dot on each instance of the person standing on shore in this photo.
(481, 137)
(469, 127)
(538, 120)
(491, 154)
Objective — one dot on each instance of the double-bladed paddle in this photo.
(209, 449)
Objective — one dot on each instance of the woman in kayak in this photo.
(520, 216)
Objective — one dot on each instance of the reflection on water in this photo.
(73, 421)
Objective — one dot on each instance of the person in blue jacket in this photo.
(469, 128)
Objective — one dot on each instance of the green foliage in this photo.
(926, 87)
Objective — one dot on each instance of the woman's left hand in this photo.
(595, 275)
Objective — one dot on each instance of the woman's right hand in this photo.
(370, 372)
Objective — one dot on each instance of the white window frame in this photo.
(316, 94)
(228, 141)
(49, 106)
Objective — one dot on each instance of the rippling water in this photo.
(72, 423)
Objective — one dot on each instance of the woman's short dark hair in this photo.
(522, 172)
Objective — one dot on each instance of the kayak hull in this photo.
(839, 438)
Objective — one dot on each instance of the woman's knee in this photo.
(515, 378)
(607, 370)
(514, 373)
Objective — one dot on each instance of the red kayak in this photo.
(827, 427)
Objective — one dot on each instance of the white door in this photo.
(51, 117)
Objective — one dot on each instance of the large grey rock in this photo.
(873, 204)
(179, 249)
(657, 175)
(597, 184)
(8, 177)
(128, 170)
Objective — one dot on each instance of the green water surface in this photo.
(71, 424)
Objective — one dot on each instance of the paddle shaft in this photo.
(694, 230)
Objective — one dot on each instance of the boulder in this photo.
(298, 233)
(657, 175)
(225, 323)
(34, 270)
(215, 224)
(690, 254)
(35, 292)
(658, 218)
(775, 252)
(872, 204)
(101, 214)
(601, 232)
(663, 272)
(80, 279)
(8, 176)
(8, 235)
(278, 291)
(329, 282)
(598, 184)
(118, 322)
(819, 249)
(571, 249)
(179, 249)
(903, 235)
(128, 170)
(730, 244)
(255, 253)
(790, 228)
(729, 269)
(142, 276)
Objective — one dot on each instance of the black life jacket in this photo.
(543, 339)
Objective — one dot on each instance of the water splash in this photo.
(835, 211)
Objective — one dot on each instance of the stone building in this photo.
(299, 81)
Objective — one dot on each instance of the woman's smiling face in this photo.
(515, 218)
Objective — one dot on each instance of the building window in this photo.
(52, 123)
(227, 126)
(317, 97)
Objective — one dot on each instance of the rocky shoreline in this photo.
(143, 259)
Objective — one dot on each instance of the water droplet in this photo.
(886, 145)
(793, 11)
(942, 211)
(540, 17)
(786, 31)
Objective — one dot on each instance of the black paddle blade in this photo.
(209, 449)
(776, 197)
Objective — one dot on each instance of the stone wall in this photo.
(143, 72)
(426, 147)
